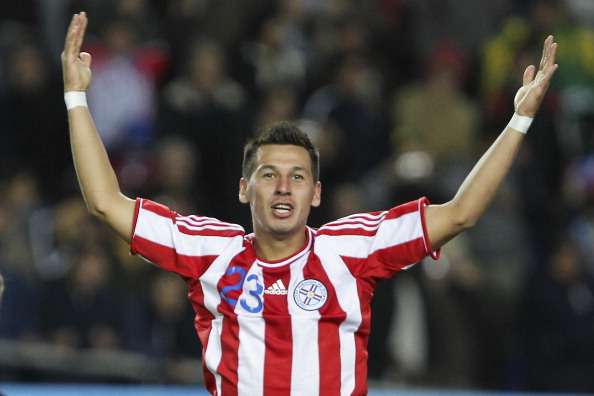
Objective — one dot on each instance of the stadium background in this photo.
(401, 96)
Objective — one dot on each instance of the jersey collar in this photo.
(287, 260)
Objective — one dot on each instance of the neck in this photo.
(270, 247)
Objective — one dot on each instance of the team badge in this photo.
(310, 294)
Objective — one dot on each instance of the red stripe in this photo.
(209, 232)
(134, 221)
(423, 202)
(347, 231)
(230, 332)
(384, 263)
(406, 208)
(368, 216)
(365, 288)
(354, 222)
(157, 208)
(278, 338)
(167, 258)
(206, 221)
(229, 357)
(207, 224)
(361, 217)
(332, 316)
(203, 326)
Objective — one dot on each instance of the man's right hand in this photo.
(76, 65)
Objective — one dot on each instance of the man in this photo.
(285, 310)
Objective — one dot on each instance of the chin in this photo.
(284, 229)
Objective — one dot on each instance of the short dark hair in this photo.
(280, 133)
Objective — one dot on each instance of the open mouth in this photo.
(282, 210)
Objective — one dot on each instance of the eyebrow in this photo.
(274, 168)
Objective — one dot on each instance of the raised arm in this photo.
(96, 177)
(478, 189)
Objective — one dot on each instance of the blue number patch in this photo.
(254, 304)
(235, 286)
(256, 293)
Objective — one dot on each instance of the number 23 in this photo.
(255, 291)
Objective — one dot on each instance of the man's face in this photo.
(281, 190)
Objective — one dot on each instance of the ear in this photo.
(317, 198)
(243, 198)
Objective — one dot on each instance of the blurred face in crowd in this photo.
(207, 66)
(281, 190)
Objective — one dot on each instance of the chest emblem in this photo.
(310, 294)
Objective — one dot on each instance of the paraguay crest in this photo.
(310, 294)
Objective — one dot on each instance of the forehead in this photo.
(283, 156)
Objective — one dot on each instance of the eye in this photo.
(298, 177)
(268, 175)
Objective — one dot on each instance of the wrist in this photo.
(520, 123)
(75, 99)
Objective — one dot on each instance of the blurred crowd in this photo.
(401, 97)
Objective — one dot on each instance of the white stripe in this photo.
(213, 352)
(392, 232)
(355, 222)
(305, 367)
(154, 227)
(206, 220)
(349, 302)
(367, 216)
(396, 231)
(425, 237)
(348, 245)
(202, 218)
(349, 227)
(159, 229)
(275, 286)
(281, 284)
(212, 299)
(208, 227)
(252, 348)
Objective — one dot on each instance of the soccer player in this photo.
(284, 310)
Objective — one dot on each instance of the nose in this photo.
(283, 186)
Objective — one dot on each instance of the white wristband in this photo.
(75, 99)
(520, 123)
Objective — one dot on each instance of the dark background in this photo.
(401, 97)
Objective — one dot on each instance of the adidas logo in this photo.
(277, 288)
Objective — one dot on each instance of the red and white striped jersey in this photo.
(297, 326)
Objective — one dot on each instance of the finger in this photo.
(545, 52)
(80, 33)
(68, 41)
(552, 54)
(528, 75)
(550, 72)
(86, 59)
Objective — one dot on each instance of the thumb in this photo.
(86, 59)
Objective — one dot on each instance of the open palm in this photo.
(76, 65)
(535, 83)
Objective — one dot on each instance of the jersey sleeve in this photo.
(186, 245)
(379, 244)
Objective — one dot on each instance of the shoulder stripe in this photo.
(346, 232)
(209, 231)
(196, 220)
(375, 216)
(354, 222)
(350, 227)
(157, 208)
(211, 225)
